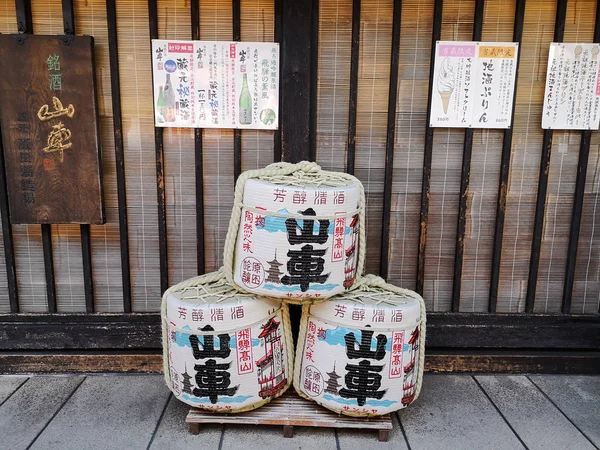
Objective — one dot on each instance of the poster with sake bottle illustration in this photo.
(216, 84)
(473, 84)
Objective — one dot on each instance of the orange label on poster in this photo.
(491, 51)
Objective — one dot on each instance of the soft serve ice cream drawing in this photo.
(445, 83)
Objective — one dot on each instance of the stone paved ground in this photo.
(453, 412)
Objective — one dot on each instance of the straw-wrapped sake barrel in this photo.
(361, 353)
(224, 350)
(296, 232)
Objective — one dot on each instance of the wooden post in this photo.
(296, 48)
(297, 81)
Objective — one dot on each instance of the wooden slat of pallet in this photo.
(28, 411)
(291, 410)
(357, 439)
(452, 412)
(578, 397)
(538, 423)
(271, 438)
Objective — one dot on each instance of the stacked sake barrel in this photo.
(296, 235)
(224, 350)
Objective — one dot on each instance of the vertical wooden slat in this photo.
(277, 33)
(49, 267)
(237, 134)
(584, 153)
(296, 96)
(428, 151)
(86, 243)
(115, 89)
(390, 139)
(7, 236)
(25, 25)
(160, 173)
(354, 56)
(464, 181)
(199, 161)
(505, 169)
(540, 206)
(24, 18)
(314, 77)
(68, 17)
(295, 32)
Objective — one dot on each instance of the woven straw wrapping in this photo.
(393, 316)
(237, 318)
(270, 247)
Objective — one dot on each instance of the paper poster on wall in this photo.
(572, 95)
(473, 84)
(216, 84)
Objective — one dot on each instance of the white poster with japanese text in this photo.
(216, 84)
(572, 95)
(473, 84)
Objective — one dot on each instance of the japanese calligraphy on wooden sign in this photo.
(49, 129)
(473, 84)
(213, 84)
(572, 96)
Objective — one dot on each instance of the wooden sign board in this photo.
(49, 125)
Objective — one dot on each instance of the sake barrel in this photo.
(296, 232)
(361, 353)
(224, 350)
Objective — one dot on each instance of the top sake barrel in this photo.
(296, 232)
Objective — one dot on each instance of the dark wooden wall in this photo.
(503, 250)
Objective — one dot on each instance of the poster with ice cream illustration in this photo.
(216, 84)
(572, 95)
(473, 84)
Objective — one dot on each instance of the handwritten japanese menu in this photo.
(214, 84)
(473, 84)
(572, 96)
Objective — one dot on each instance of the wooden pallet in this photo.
(290, 410)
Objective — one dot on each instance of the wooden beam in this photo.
(163, 247)
(236, 6)
(115, 92)
(540, 204)
(464, 181)
(390, 140)
(505, 169)
(436, 35)
(199, 161)
(444, 331)
(435, 362)
(7, 238)
(277, 33)
(354, 57)
(582, 165)
(295, 86)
